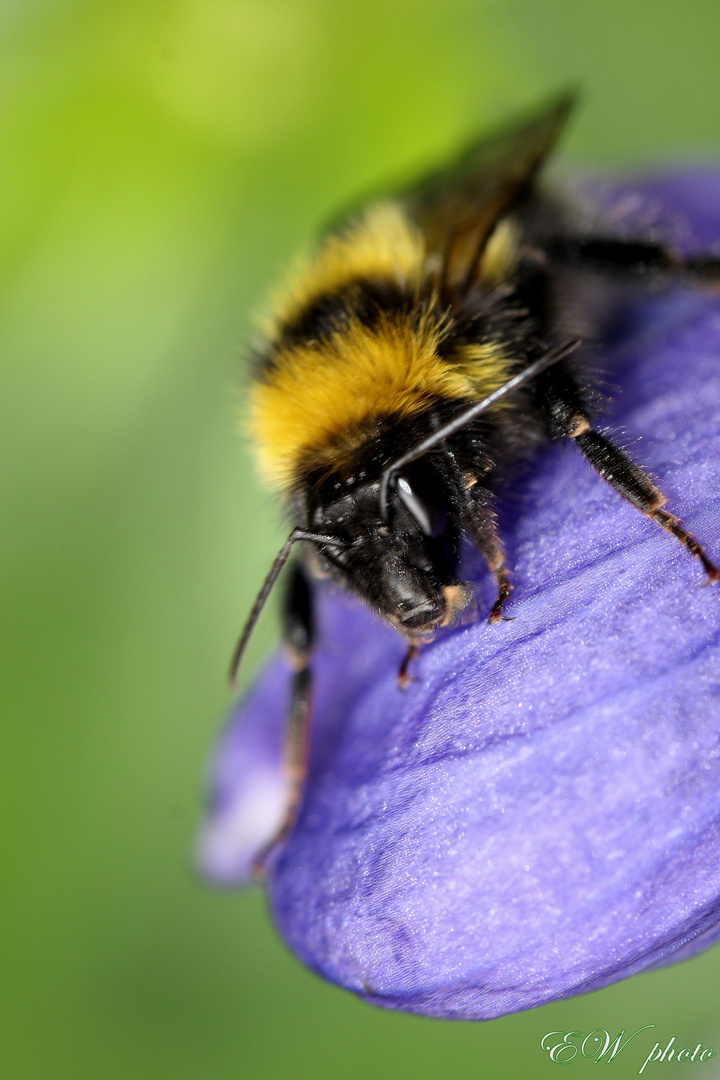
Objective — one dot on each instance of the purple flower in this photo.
(539, 813)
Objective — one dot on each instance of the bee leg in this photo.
(403, 678)
(567, 418)
(299, 635)
(633, 484)
(637, 257)
(480, 520)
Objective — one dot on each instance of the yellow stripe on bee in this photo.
(318, 402)
(383, 243)
(501, 252)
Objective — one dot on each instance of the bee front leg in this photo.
(480, 521)
(299, 637)
(403, 678)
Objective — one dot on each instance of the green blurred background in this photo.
(160, 163)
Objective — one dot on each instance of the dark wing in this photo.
(458, 207)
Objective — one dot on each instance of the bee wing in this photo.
(458, 207)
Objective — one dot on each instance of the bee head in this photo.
(404, 566)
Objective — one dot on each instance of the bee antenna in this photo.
(560, 352)
(267, 586)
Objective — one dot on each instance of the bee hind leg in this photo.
(299, 636)
(639, 258)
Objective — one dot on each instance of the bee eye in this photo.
(429, 514)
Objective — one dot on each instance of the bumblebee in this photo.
(433, 338)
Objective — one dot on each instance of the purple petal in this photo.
(539, 814)
(248, 790)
